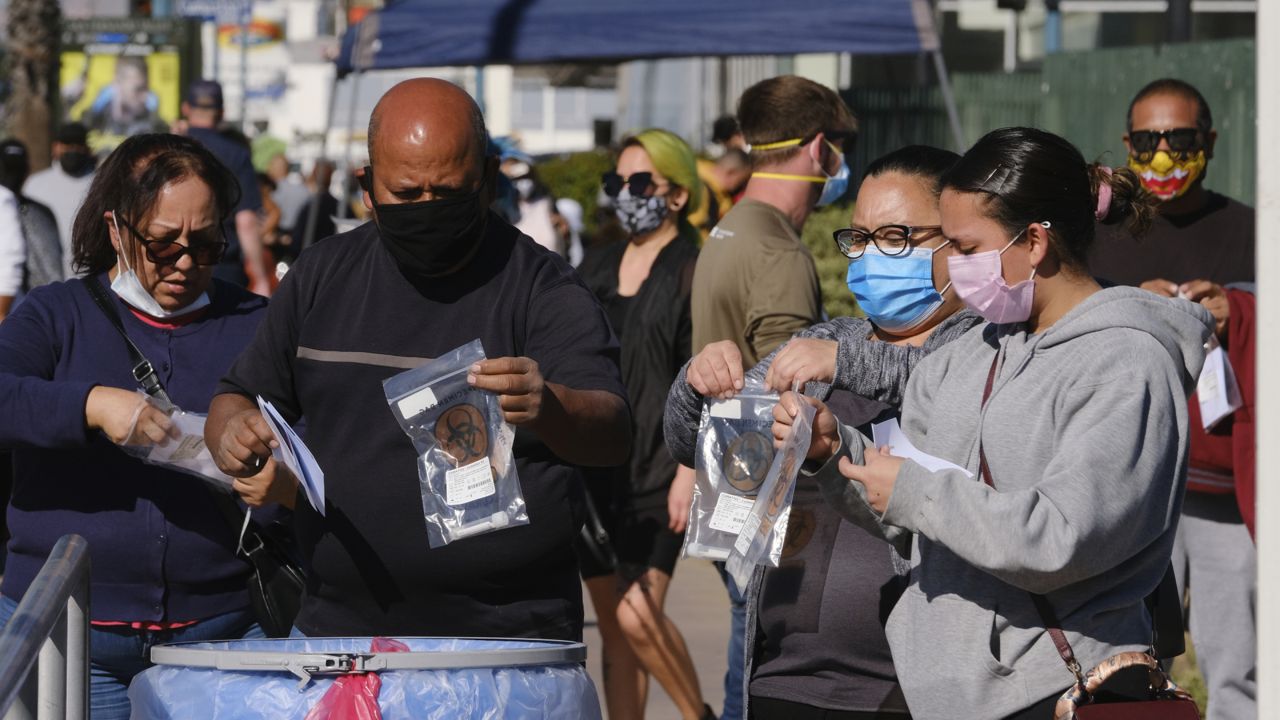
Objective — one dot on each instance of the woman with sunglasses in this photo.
(1065, 420)
(164, 561)
(644, 284)
(815, 638)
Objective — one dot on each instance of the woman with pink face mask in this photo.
(1062, 423)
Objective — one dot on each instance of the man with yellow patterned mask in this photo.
(1170, 141)
(1201, 247)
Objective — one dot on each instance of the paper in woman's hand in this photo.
(889, 434)
(295, 455)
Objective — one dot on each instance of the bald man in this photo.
(434, 271)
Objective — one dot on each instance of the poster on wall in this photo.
(125, 76)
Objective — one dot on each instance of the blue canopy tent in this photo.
(438, 33)
(413, 33)
(434, 33)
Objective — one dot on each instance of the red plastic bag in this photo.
(355, 697)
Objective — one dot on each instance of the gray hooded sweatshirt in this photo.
(1085, 434)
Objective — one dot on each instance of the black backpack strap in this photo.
(143, 371)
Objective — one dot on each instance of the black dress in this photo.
(654, 327)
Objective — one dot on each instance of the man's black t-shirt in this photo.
(345, 319)
(1214, 243)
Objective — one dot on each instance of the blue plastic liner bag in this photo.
(499, 680)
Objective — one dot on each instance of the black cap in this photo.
(73, 133)
(205, 94)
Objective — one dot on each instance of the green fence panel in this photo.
(1083, 96)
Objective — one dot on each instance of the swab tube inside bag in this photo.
(465, 466)
(765, 531)
(732, 456)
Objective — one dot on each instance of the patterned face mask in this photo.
(1170, 175)
(640, 215)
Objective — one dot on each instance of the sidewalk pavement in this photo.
(698, 604)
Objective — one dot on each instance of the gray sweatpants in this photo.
(1215, 555)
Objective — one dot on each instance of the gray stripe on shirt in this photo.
(403, 362)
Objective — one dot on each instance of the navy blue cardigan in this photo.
(159, 550)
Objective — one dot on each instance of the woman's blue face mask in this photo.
(897, 292)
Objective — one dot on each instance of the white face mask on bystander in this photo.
(129, 288)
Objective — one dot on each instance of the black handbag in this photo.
(276, 581)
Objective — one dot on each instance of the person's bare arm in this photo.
(249, 233)
(6, 304)
(583, 427)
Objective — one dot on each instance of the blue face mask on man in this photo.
(896, 292)
(833, 186)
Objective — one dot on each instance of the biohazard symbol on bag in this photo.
(461, 433)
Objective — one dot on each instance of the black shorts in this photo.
(635, 536)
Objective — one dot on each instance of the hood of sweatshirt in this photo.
(1182, 327)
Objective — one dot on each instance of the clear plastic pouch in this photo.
(465, 465)
(185, 453)
(732, 456)
(765, 530)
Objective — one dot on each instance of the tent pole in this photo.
(1267, 509)
(949, 99)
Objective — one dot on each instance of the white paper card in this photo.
(469, 482)
(1217, 391)
(728, 409)
(295, 456)
(730, 513)
(890, 433)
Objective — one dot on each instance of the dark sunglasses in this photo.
(1181, 140)
(167, 252)
(890, 240)
(641, 184)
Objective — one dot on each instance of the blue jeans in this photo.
(733, 676)
(117, 654)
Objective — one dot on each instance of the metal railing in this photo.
(49, 634)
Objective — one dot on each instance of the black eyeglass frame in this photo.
(873, 237)
(1181, 141)
(641, 184)
(148, 249)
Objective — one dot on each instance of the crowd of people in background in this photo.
(1037, 320)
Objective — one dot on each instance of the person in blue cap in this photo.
(242, 263)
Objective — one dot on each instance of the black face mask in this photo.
(433, 237)
(76, 162)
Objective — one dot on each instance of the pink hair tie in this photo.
(1104, 197)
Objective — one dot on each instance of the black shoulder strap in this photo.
(143, 372)
(147, 378)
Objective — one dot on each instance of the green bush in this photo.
(832, 265)
(577, 176)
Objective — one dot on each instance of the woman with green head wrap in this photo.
(644, 284)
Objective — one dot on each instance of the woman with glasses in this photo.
(164, 561)
(815, 638)
(1063, 425)
(644, 284)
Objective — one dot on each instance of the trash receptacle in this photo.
(438, 678)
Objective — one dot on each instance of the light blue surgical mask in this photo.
(896, 292)
(836, 185)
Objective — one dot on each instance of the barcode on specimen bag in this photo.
(469, 482)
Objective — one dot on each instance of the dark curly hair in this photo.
(130, 180)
